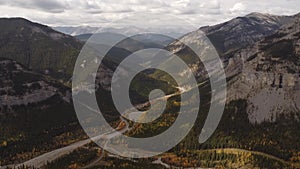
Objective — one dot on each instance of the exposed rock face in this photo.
(19, 86)
(270, 78)
(35, 96)
(268, 94)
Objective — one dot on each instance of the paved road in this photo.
(50, 156)
(41, 160)
(158, 161)
(107, 137)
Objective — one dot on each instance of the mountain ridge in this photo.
(243, 31)
(39, 47)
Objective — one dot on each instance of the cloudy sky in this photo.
(98, 12)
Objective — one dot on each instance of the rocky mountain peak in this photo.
(257, 14)
(265, 16)
(241, 32)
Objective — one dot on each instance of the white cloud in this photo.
(238, 7)
(98, 12)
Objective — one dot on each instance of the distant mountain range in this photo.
(132, 30)
(73, 31)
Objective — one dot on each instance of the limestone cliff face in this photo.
(19, 86)
(269, 79)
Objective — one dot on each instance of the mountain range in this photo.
(261, 56)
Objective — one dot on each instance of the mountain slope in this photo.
(38, 47)
(83, 37)
(238, 33)
(229, 38)
(36, 114)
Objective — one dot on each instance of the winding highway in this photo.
(43, 159)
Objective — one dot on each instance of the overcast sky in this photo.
(98, 12)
